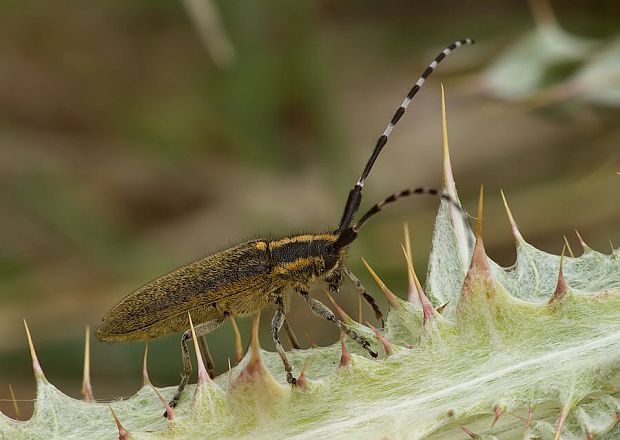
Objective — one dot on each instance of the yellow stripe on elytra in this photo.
(300, 263)
(261, 246)
(301, 238)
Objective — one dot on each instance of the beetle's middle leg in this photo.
(200, 329)
(322, 311)
(276, 325)
(367, 296)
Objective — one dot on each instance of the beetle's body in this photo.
(245, 278)
(236, 281)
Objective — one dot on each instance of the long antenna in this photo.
(351, 233)
(383, 139)
(355, 195)
(421, 190)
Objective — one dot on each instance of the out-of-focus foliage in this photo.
(551, 55)
(561, 67)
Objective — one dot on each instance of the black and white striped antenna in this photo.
(355, 195)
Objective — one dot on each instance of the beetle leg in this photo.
(334, 281)
(292, 339)
(322, 311)
(362, 291)
(200, 329)
(276, 324)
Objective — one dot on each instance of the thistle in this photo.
(526, 352)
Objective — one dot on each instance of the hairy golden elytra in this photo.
(243, 279)
(239, 281)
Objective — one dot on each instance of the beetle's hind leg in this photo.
(200, 329)
(322, 311)
(367, 296)
(276, 325)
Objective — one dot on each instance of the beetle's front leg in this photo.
(334, 280)
(276, 324)
(367, 296)
(322, 311)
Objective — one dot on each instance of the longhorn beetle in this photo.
(243, 279)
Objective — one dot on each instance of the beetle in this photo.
(243, 279)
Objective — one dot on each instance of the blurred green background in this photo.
(138, 136)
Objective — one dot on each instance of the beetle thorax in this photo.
(304, 256)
